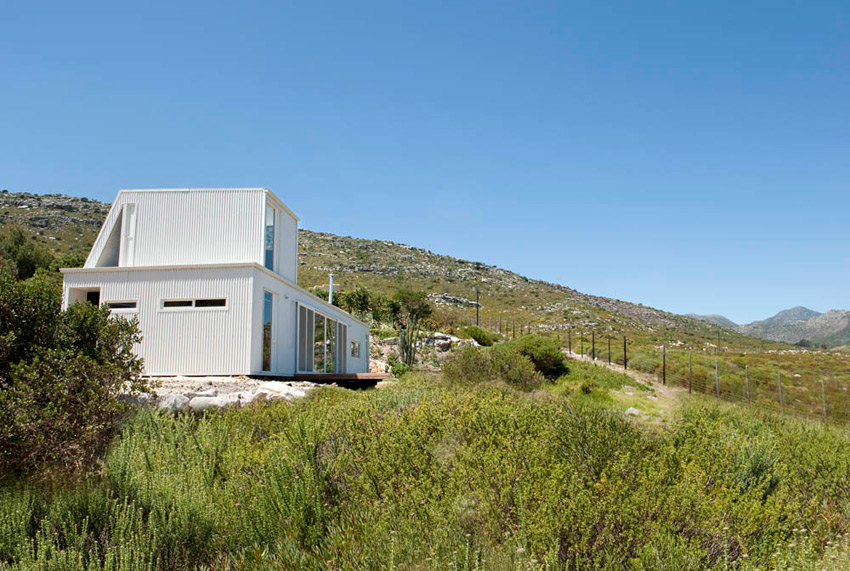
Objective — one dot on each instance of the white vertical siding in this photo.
(185, 342)
(285, 322)
(197, 227)
(288, 248)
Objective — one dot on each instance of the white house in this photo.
(211, 275)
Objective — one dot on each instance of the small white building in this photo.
(211, 275)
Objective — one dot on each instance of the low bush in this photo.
(60, 377)
(472, 366)
(544, 352)
(481, 336)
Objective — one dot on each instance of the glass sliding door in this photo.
(268, 313)
(330, 346)
(319, 344)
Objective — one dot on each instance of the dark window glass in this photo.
(210, 302)
(93, 297)
(121, 304)
(268, 310)
(269, 237)
(177, 303)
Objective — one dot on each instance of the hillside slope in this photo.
(68, 224)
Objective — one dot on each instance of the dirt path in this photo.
(657, 405)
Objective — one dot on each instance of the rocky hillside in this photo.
(720, 320)
(795, 325)
(68, 224)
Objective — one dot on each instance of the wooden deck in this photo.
(347, 380)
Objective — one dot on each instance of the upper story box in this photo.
(198, 226)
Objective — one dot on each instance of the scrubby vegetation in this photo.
(430, 475)
(60, 372)
(481, 336)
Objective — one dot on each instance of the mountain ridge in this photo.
(508, 301)
(799, 325)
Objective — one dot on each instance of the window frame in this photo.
(275, 250)
(134, 309)
(193, 307)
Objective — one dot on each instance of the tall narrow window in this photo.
(268, 311)
(270, 237)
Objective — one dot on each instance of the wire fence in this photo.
(805, 393)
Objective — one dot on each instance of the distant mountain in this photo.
(795, 325)
(792, 315)
(717, 320)
(802, 324)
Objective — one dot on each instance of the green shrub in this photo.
(469, 366)
(481, 336)
(544, 352)
(472, 366)
(61, 374)
(514, 368)
(398, 369)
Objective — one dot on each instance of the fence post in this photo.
(664, 364)
(581, 350)
(690, 372)
(716, 380)
(823, 398)
(593, 346)
(781, 398)
(747, 371)
(609, 350)
(570, 339)
(625, 354)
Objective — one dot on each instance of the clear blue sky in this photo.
(691, 158)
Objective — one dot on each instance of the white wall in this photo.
(285, 322)
(198, 226)
(288, 246)
(186, 342)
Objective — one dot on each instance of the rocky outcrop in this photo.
(178, 394)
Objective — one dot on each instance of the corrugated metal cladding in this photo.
(197, 227)
(188, 227)
(190, 341)
(286, 323)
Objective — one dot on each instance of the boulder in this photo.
(210, 392)
(443, 344)
(200, 404)
(632, 411)
(173, 403)
(277, 389)
(378, 366)
(258, 396)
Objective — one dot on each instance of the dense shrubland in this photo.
(509, 460)
(60, 372)
(434, 475)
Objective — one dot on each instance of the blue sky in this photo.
(694, 158)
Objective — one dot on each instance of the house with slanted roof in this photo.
(211, 276)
